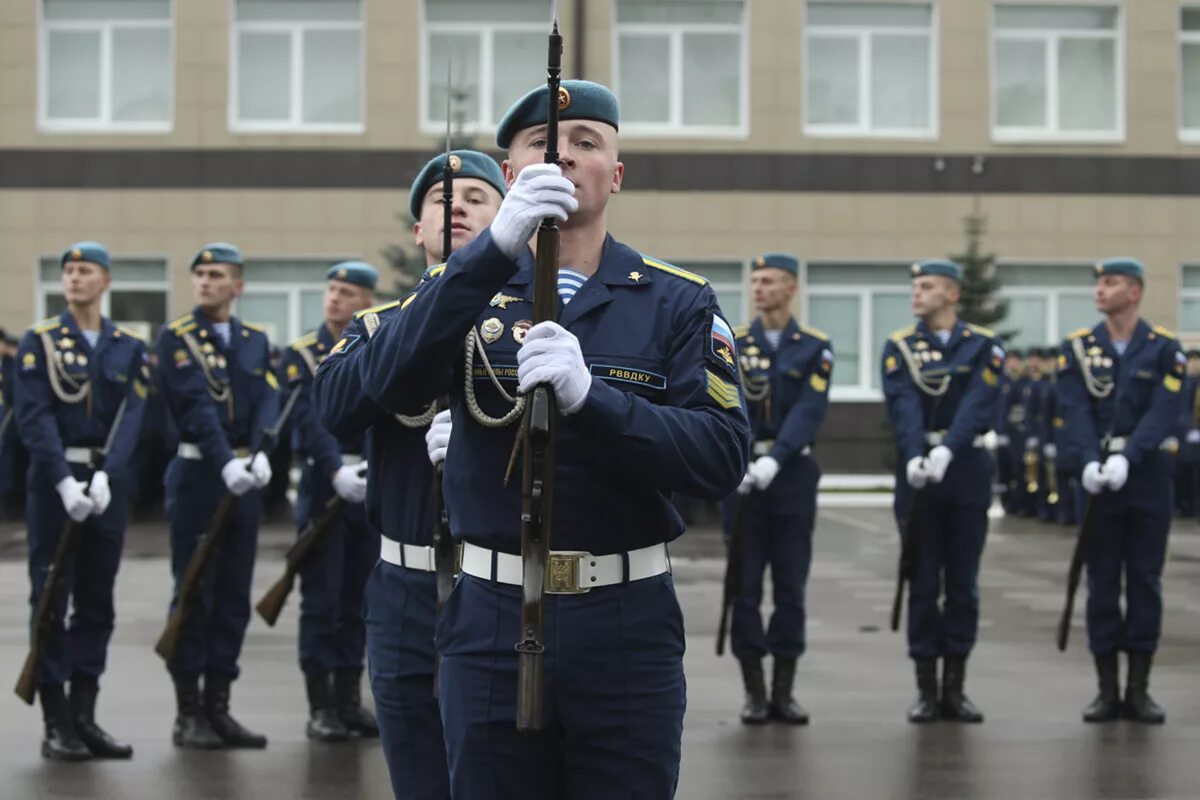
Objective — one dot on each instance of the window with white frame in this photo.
(730, 281)
(870, 69)
(494, 52)
(284, 295)
(137, 299)
(1057, 72)
(1046, 301)
(296, 66)
(105, 65)
(1189, 69)
(681, 67)
(1189, 300)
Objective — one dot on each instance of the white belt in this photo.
(409, 556)
(764, 448)
(938, 438)
(1114, 445)
(1002, 440)
(191, 451)
(348, 460)
(78, 455)
(569, 571)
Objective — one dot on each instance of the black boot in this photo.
(323, 723)
(783, 707)
(348, 685)
(755, 711)
(956, 705)
(61, 742)
(216, 708)
(1139, 705)
(83, 714)
(1107, 705)
(925, 709)
(192, 729)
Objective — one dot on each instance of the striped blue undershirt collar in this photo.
(569, 282)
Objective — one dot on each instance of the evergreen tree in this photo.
(407, 261)
(981, 279)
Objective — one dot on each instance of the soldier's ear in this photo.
(618, 176)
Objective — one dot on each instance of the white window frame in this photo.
(1190, 293)
(41, 288)
(296, 30)
(1050, 38)
(1052, 295)
(675, 127)
(104, 122)
(291, 289)
(864, 35)
(1186, 135)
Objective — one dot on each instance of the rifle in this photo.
(1073, 573)
(272, 602)
(210, 542)
(908, 546)
(536, 440)
(443, 542)
(68, 542)
(4, 423)
(733, 570)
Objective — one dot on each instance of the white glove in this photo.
(100, 492)
(1193, 437)
(1116, 471)
(551, 355)
(1050, 450)
(918, 472)
(540, 191)
(350, 484)
(939, 459)
(75, 499)
(764, 471)
(237, 478)
(747, 484)
(437, 438)
(1031, 443)
(260, 468)
(1093, 478)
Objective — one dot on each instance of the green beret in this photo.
(470, 164)
(91, 252)
(783, 261)
(359, 273)
(218, 253)
(938, 266)
(576, 100)
(1122, 266)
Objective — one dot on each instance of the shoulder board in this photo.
(673, 270)
(130, 333)
(816, 333)
(178, 323)
(305, 341)
(255, 328)
(1079, 333)
(376, 309)
(1161, 331)
(903, 333)
(741, 330)
(434, 271)
(180, 330)
(981, 331)
(45, 325)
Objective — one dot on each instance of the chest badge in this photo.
(636, 276)
(82, 359)
(66, 343)
(501, 300)
(491, 330)
(520, 330)
(69, 357)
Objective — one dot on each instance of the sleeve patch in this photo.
(890, 364)
(721, 348)
(28, 361)
(272, 381)
(819, 383)
(293, 372)
(724, 393)
(1172, 383)
(344, 344)
(826, 360)
(990, 377)
(1062, 362)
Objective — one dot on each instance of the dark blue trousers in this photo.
(1128, 547)
(401, 609)
(1069, 496)
(950, 529)
(77, 647)
(614, 693)
(212, 637)
(332, 581)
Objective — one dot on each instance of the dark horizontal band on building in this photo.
(703, 172)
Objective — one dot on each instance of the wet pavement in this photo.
(855, 681)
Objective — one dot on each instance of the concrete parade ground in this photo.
(855, 680)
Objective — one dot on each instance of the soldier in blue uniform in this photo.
(221, 394)
(785, 374)
(75, 371)
(647, 388)
(333, 576)
(1120, 386)
(401, 593)
(8, 433)
(941, 380)
(1059, 453)
(1010, 431)
(1187, 469)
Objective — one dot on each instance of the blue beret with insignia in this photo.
(91, 252)
(576, 100)
(783, 261)
(359, 273)
(938, 266)
(1122, 266)
(218, 253)
(465, 164)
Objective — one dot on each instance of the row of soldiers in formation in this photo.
(656, 395)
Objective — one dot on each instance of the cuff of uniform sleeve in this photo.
(61, 470)
(488, 263)
(782, 453)
(605, 408)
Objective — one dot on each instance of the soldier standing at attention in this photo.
(785, 375)
(75, 372)
(1010, 432)
(333, 576)
(1120, 389)
(401, 592)
(221, 394)
(941, 380)
(1187, 469)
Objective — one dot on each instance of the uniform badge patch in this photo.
(890, 364)
(491, 330)
(725, 393)
(293, 372)
(826, 359)
(181, 358)
(721, 343)
(344, 344)
(520, 330)
(28, 361)
(501, 300)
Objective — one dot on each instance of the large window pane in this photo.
(141, 75)
(675, 11)
(1034, 17)
(312, 309)
(1027, 319)
(898, 275)
(332, 76)
(105, 10)
(869, 14)
(645, 78)
(264, 76)
(899, 81)
(1087, 85)
(832, 80)
(711, 78)
(838, 317)
(1191, 86)
(55, 303)
(889, 312)
(270, 310)
(297, 10)
(732, 301)
(1075, 312)
(461, 52)
(135, 308)
(537, 11)
(1020, 84)
(519, 59)
(1189, 318)
(73, 75)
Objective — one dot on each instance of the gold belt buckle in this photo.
(458, 550)
(562, 574)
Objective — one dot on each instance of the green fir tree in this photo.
(981, 279)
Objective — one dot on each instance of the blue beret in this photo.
(1014, 352)
(783, 261)
(1122, 266)
(359, 273)
(576, 100)
(91, 252)
(218, 253)
(938, 266)
(471, 164)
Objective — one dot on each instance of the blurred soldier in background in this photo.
(1010, 432)
(1187, 467)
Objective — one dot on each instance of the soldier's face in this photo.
(1116, 293)
(933, 293)
(1193, 367)
(84, 282)
(773, 288)
(588, 153)
(475, 205)
(216, 285)
(343, 299)
(1013, 365)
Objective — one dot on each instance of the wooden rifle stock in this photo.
(271, 604)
